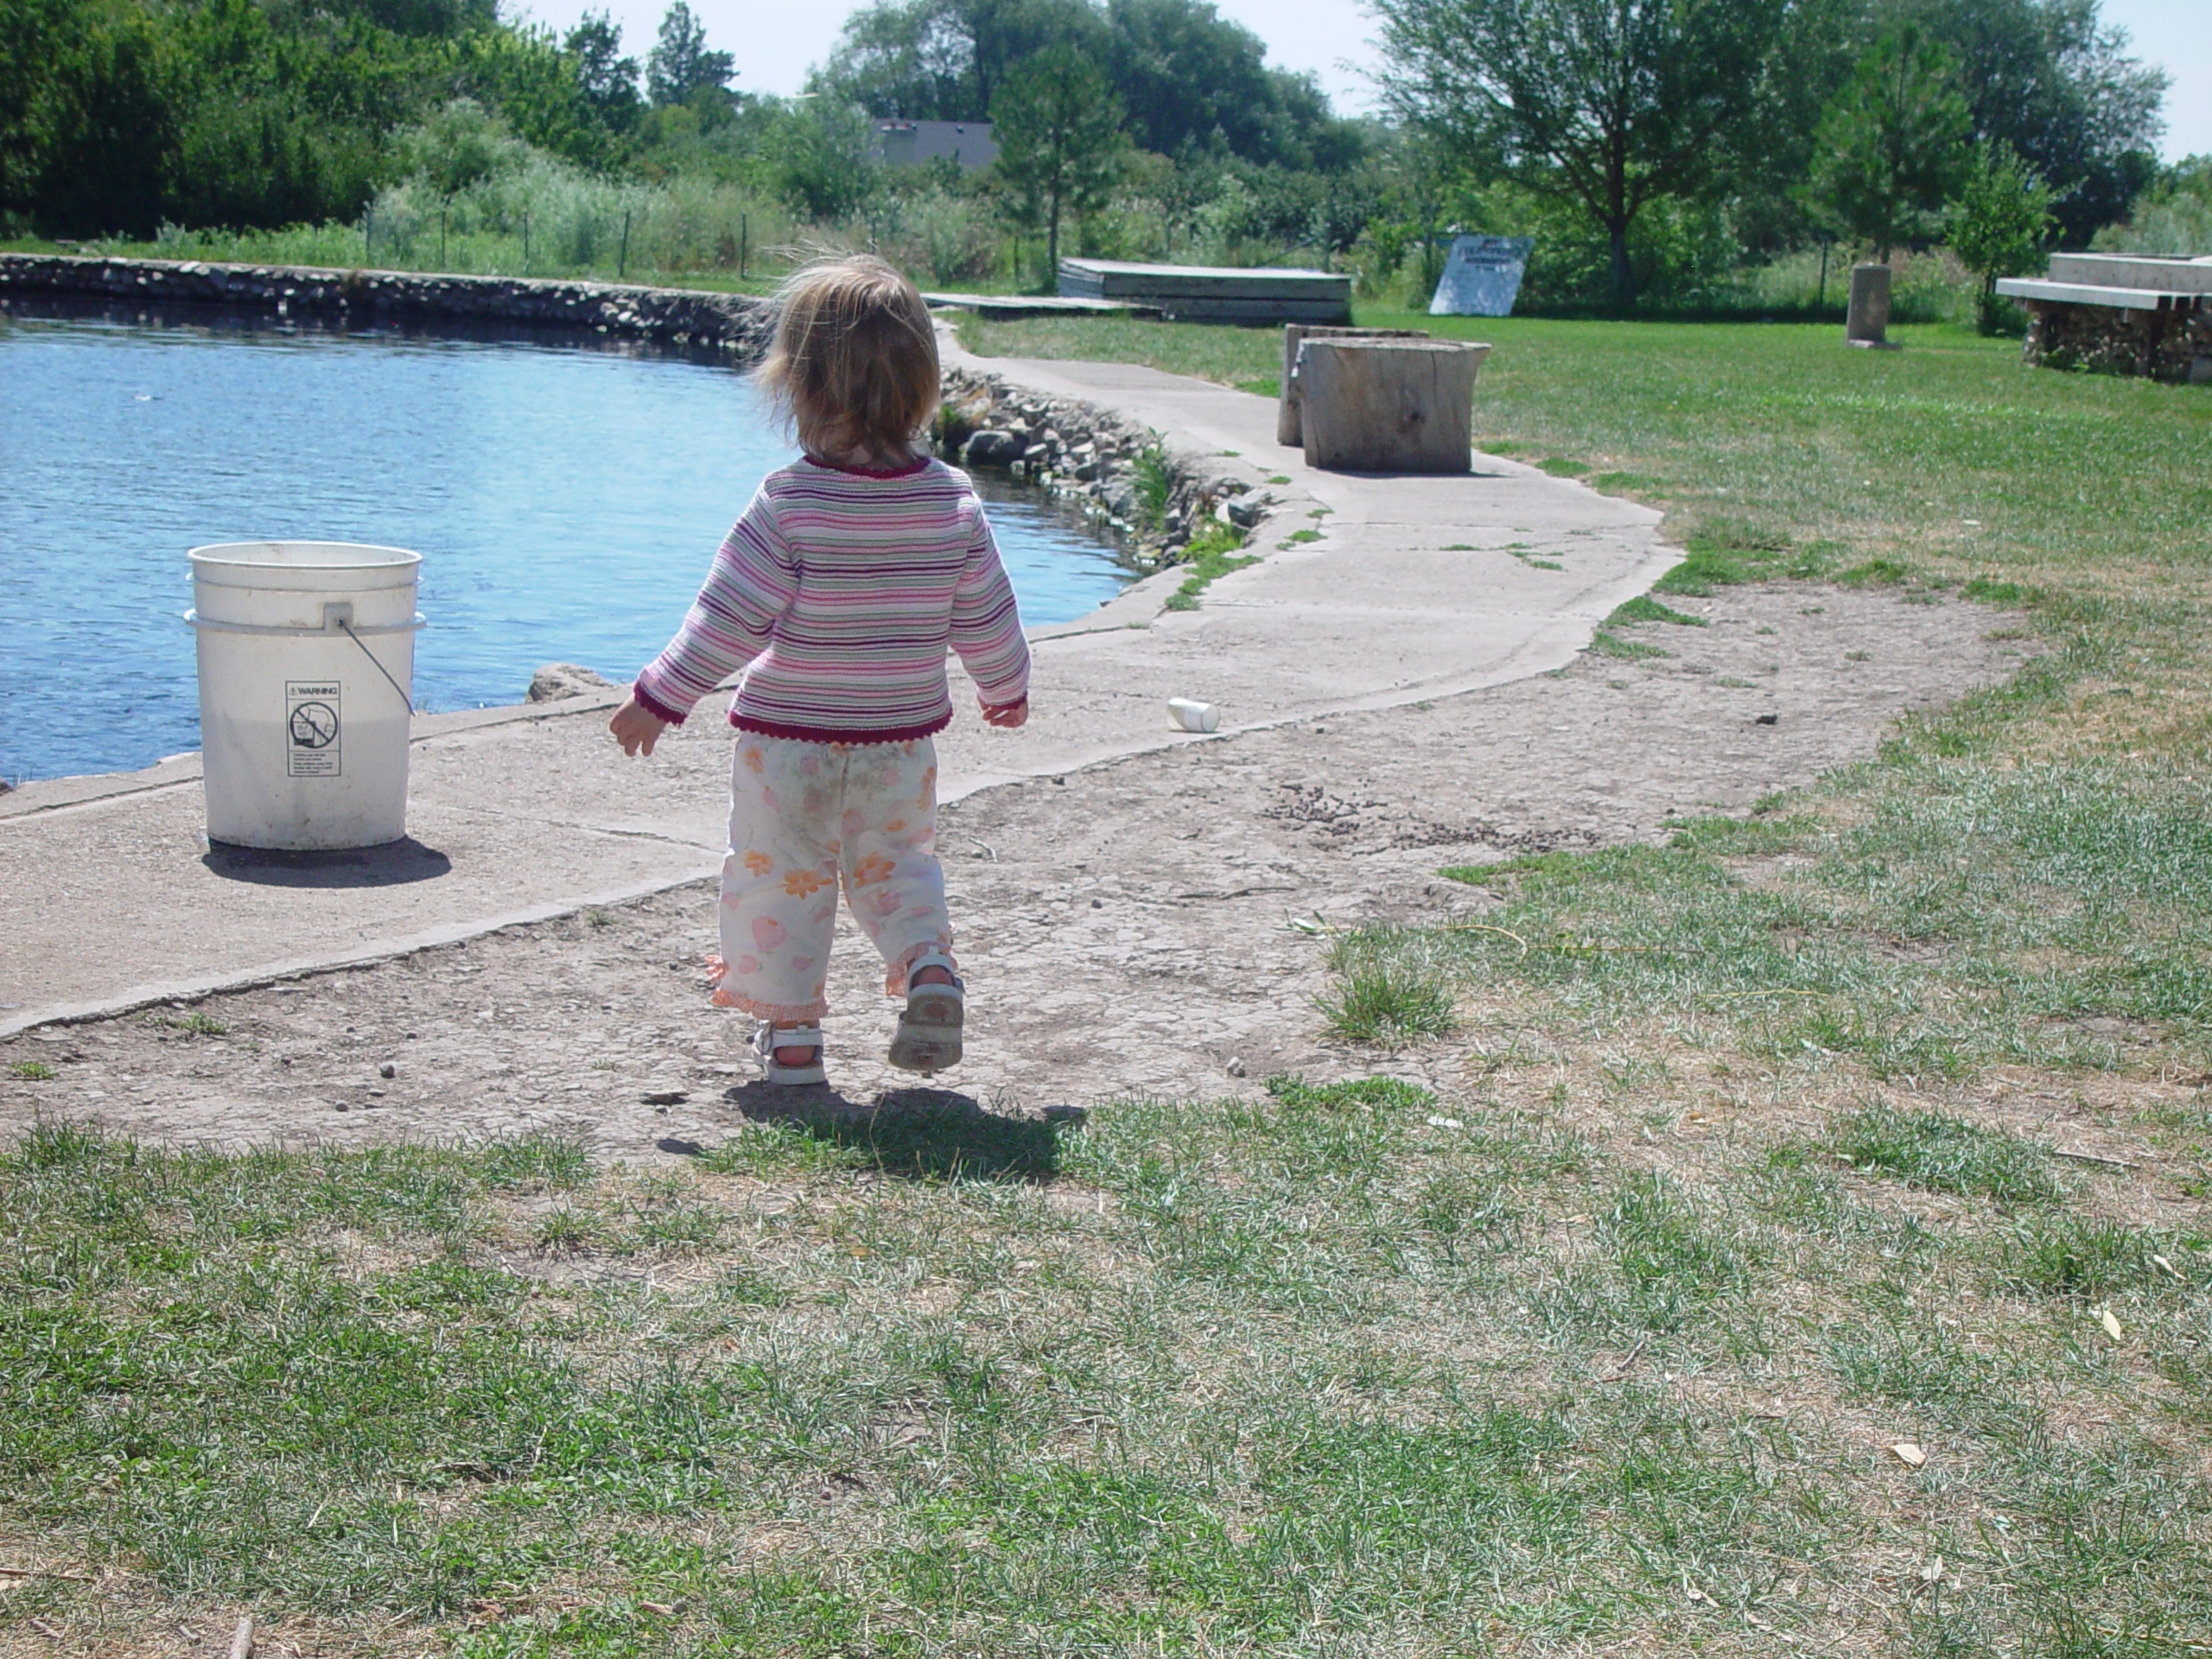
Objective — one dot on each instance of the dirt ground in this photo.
(1125, 930)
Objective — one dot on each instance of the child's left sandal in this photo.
(928, 1039)
(767, 1038)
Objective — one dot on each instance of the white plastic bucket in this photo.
(307, 666)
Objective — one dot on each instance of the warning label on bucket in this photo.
(311, 729)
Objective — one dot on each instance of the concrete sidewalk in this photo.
(1420, 587)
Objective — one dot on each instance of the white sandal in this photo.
(929, 1027)
(766, 1039)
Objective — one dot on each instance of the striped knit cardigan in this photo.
(841, 588)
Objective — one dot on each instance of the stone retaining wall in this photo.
(735, 321)
(2161, 345)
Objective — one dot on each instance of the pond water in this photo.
(566, 497)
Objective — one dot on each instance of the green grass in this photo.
(1249, 357)
(1974, 916)
(1389, 1000)
(1212, 553)
(198, 1023)
(1608, 644)
(1751, 1155)
(1645, 609)
(1943, 1153)
(1338, 1367)
(1783, 430)
(2009, 872)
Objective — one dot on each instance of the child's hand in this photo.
(1008, 715)
(636, 727)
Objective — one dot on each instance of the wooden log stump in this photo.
(1287, 430)
(1388, 405)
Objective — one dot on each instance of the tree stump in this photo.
(1388, 405)
(1286, 430)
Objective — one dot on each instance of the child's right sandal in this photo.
(929, 1027)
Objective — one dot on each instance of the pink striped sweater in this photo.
(837, 592)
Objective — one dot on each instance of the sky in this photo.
(776, 44)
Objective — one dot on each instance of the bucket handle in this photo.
(337, 618)
(342, 622)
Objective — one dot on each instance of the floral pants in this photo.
(803, 817)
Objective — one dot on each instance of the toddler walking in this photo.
(837, 592)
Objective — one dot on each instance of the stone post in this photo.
(1867, 321)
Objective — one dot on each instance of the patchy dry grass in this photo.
(1949, 1013)
(1802, 1246)
(1587, 1354)
(1517, 1362)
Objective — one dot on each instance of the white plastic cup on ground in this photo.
(1188, 714)
(307, 659)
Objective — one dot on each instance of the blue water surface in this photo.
(566, 497)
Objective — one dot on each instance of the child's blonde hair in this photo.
(853, 363)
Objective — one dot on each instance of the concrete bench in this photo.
(2125, 314)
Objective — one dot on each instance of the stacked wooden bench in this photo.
(1211, 293)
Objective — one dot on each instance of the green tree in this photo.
(1190, 80)
(946, 59)
(1059, 127)
(1765, 157)
(521, 75)
(107, 114)
(459, 147)
(264, 133)
(32, 33)
(2050, 78)
(680, 67)
(2173, 216)
(820, 165)
(1614, 103)
(422, 18)
(608, 80)
(1893, 148)
(2001, 218)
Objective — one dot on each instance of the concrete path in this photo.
(1420, 587)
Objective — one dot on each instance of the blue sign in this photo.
(1482, 277)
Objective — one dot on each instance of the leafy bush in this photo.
(2173, 217)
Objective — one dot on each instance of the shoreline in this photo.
(459, 306)
(679, 316)
(449, 304)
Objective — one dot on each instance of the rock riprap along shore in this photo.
(1078, 451)
(739, 322)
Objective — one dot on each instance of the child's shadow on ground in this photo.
(923, 1134)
